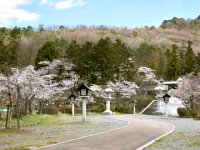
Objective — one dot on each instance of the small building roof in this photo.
(170, 82)
(109, 90)
(95, 87)
(49, 76)
(160, 88)
(83, 86)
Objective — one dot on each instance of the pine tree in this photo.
(189, 59)
(197, 63)
(47, 52)
(167, 70)
(182, 60)
(173, 64)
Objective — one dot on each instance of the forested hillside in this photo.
(149, 46)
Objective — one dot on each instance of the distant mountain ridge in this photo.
(180, 23)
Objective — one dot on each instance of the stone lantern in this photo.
(84, 92)
(166, 100)
(134, 102)
(108, 91)
(72, 98)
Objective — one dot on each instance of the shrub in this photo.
(50, 110)
(98, 109)
(66, 109)
(182, 112)
(122, 109)
(21, 112)
(78, 110)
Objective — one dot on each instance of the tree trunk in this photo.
(30, 107)
(17, 114)
(40, 109)
(26, 107)
(7, 116)
(10, 117)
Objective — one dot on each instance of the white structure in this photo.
(84, 92)
(158, 106)
(72, 104)
(84, 109)
(172, 106)
(108, 91)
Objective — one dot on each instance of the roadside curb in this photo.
(154, 140)
(128, 123)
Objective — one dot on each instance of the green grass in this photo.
(51, 142)
(50, 129)
(195, 144)
(18, 148)
(45, 119)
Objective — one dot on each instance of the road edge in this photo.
(156, 139)
(128, 123)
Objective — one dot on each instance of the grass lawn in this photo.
(39, 130)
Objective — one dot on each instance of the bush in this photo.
(183, 112)
(98, 109)
(21, 112)
(122, 109)
(119, 109)
(66, 109)
(50, 110)
(78, 110)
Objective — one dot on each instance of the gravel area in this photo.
(35, 136)
(185, 137)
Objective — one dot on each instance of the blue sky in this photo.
(118, 13)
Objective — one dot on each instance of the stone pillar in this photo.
(133, 108)
(72, 109)
(107, 111)
(107, 105)
(108, 91)
(84, 109)
(165, 109)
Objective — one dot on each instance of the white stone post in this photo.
(72, 109)
(133, 108)
(108, 111)
(83, 109)
(108, 91)
(107, 105)
(165, 109)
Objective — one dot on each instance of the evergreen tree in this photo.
(167, 70)
(173, 64)
(73, 50)
(189, 59)
(197, 63)
(47, 52)
(182, 61)
(13, 47)
(102, 61)
(147, 55)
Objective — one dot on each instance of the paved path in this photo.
(136, 134)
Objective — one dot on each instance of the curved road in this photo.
(131, 137)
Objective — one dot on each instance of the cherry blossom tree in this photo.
(125, 88)
(122, 90)
(27, 85)
(59, 79)
(19, 88)
(189, 91)
(148, 73)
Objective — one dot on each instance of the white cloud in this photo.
(9, 11)
(66, 4)
(44, 1)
